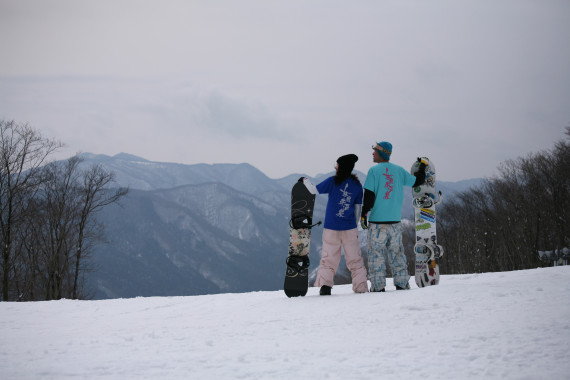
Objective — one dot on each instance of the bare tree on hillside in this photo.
(93, 196)
(23, 151)
(502, 224)
(65, 228)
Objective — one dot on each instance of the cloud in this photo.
(291, 86)
(241, 119)
(152, 118)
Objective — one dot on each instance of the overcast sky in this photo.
(289, 86)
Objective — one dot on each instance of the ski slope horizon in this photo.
(502, 325)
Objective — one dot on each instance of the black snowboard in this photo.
(297, 275)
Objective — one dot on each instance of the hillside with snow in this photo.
(509, 325)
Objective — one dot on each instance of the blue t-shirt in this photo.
(387, 181)
(340, 214)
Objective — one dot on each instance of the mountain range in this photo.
(201, 229)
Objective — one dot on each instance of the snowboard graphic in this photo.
(426, 249)
(302, 204)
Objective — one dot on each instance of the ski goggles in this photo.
(380, 148)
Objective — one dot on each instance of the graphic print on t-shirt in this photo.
(344, 201)
(388, 185)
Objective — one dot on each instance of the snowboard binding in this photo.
(426, 201)
(297, 265)
(434, 251)
(302, 221)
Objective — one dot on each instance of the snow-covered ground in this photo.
(512, 325)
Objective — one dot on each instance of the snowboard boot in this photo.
(377, 291)
(325, 290)
(407, 287)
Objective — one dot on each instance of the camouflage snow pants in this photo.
(385, 244)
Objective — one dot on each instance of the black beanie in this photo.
(346, 163)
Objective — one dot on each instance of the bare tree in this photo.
(502, 224)
(57, 230)
(66, 226)
(93, 196)
(23, 151)
(47, 216)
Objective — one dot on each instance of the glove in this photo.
(364, 223)
(423, 163)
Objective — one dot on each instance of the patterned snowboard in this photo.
(426, 249)
(302, 204)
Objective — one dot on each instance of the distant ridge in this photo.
(119, 156)
(129, 157)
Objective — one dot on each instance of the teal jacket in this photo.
(387, 181)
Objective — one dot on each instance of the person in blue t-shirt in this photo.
(340, 229)
(382, 215)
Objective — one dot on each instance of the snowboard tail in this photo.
(296, 278)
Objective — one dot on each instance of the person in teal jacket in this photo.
(382, 215)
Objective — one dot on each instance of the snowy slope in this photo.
(513, 325)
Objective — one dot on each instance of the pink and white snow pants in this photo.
(332, 242)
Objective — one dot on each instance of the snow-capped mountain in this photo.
(193, 239)
(139, 173)
(197, 229)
